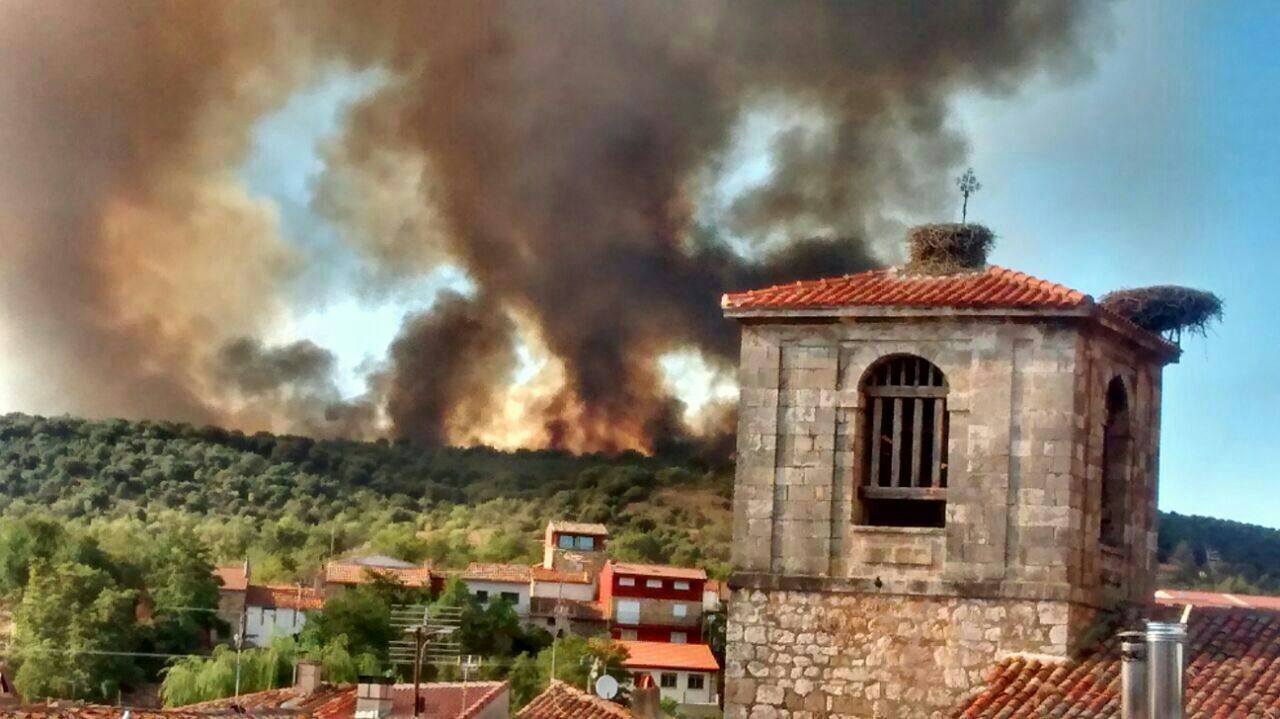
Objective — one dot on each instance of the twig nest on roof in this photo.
(1167, 309)
(948, 248)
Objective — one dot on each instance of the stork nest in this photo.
(944, 249)
(1168, 310)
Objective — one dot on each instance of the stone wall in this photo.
(831, 617)
(1024, 456)
(806, 655)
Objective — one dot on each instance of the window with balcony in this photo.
(905, 443)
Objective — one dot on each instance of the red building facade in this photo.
(654, 603)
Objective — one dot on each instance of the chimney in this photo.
(307, 676)
(646, 699)
(373, 698)
(1133, 675)
(1151, 673)
(1166, 642)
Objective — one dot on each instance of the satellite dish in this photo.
(606, 687)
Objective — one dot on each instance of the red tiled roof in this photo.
(658, 570)
(443, 700)
(350, 573)
(561, 701)
(994, 287)
(1179, 597)
(1233, 670)
(542, 574)
(233, 579)
(661, 655)
(511, 573)
(283, 596)
(588, 528)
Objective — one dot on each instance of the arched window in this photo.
(905, 472)
(1116, 443)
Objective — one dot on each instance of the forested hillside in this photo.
(290, 502)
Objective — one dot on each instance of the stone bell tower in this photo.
(939, 465)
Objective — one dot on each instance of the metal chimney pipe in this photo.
(1166, 644)
(1133, 676)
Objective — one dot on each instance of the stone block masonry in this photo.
(807, 655)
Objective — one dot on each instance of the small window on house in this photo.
(1116, 450)
(696, 681)
(628, 611)
(653, 583)
(668, 680)
(482, 595)
(586, 543)
(684, 586)
(679, 637)
(511, 597)
(551, 621)
(626, 581)
(905, 449)
(679, 610)
(565, 541)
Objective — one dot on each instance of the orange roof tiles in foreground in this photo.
(658, 570)
(542, 574)
(349, 573)
(561, 701)
(995, 287)
(283, 596)
(1179, 597)
(510, 573)
(661, 655)
(1233, 670)
(232, 579)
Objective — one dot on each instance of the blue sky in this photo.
(1162, 168)
(1157, 167)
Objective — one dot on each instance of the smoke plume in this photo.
(571, 157)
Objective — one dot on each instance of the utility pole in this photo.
(968, 184)
(239, 646)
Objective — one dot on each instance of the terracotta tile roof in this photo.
(658, 570)
(575, 609)
(286, 698)
(561, 701)
(661, 655)
(443, 699)
(283, 596)
(72, 710)
(342, 572)
(589, 528)
(233, 579)
(542, 574)
(994, 287)
(1233, 670)
(511, 573)
(1179, 597)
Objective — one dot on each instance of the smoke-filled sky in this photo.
(510, 223)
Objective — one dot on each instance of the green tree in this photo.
(574, 659)
(71, 619)
(181, 587)
(361, 616)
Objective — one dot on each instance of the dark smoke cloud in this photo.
(447, 366)
(254, 369)
(564, 142)
(559, 151)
